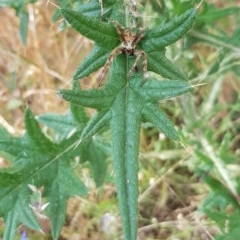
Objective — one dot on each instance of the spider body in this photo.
(129, 41)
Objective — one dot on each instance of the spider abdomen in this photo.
(129, 52)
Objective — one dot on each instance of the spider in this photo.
(129, 41)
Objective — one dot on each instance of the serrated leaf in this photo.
(125, 124)
(95, 60)
(77, 5)
(90, 9)
(20, 149)
(128, 101)
(98, 162)
(96, 123)
(78, 113)
(40, 168)
(97, 159)
(61, 124)
(13, 146)
(20, 213)
(66, 184)
(160, 64)
(65, 125)
(154, 115)
(159, 37)
(103, 34)
(158, 90)
(35, 133)
(111, 10)
(8, 179)
(92, 98)
(125, 139)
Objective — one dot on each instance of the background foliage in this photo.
(188, 190)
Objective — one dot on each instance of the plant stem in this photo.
(130, 13)
(127, 13)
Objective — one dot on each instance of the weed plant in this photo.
(58, 175)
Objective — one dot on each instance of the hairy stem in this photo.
(130, 13)
(127, 11)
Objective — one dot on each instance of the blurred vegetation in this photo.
(188, 190)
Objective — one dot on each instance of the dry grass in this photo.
(31, 75)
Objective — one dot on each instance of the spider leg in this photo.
(107, 65)
(140, 54)
(119, 30)
(139, 36)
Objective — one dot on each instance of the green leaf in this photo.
(154, 115)
(20, 213)
(125, 125)
(97, 159)
(14, 146)
(61, 124)
(7, 203)
(111, 11)
(230, 229)
(99, 167)
(158, 90)
(51, 169)
(123, 130)
(217, 205)
(221, 191)
(104, 34)
(45, 164)
(158, 63)
(35, 133)
(66, 125)
(92, 98)
(96, 123)
(90, 9)
(66, 184)
(78, 113)
(95, 60)
(159, 37)
(123, 102)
